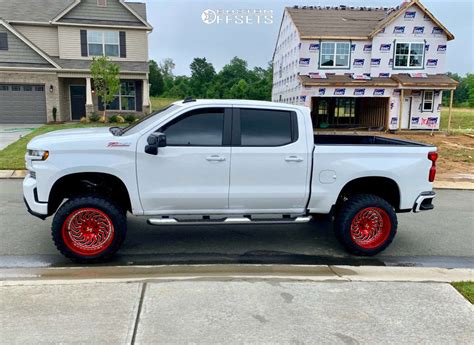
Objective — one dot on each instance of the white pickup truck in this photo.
(223, 162)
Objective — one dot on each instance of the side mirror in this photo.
(155, 140)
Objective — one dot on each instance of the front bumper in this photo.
(424, 202)
(30, 195)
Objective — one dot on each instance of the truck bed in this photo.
(334, 139)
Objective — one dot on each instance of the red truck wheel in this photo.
(89, 229)
(366, 224)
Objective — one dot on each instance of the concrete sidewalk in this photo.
(254, 308)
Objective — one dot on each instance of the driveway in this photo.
(9, 133)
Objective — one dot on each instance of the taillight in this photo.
(432, 156)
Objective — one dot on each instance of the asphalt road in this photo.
(440, 238)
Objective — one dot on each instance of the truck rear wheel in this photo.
(89, 229)
(366, 224)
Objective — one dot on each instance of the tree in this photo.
(156, 79)
(239, 90)
(166, 67)
(470, 86)
(105, 75)
(202, 75)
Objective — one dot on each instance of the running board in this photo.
(228, 221)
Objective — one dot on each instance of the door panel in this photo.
(191, 174)
(78, 102)
(184, 179)
(269, 178)
(406, 120)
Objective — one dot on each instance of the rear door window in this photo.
(263, 127)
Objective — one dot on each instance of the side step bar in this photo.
(228, 221)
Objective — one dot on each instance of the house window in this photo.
(16, 88)
(102, 3)
(103, 43)
(409, 55)
(3, 87)
(27, 88)
(3, 41)
(39, 88)
(335, 54)
(126, 98)
(428, 100)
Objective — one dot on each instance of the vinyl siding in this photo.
(114, 11)
(44, 37)
(70, 44)
(18, 52)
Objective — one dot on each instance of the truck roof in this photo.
(238, 102)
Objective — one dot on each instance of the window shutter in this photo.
(123, 44)
(139, 94)
(84, 43)
(3, 41)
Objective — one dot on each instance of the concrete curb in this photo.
(452, 183)
(319, 273)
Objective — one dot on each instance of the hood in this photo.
(66, 136)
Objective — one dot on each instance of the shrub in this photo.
(130, 118)
(55, 112)
(84, 120)
(113, 119)
(120, 119)
(94, 117)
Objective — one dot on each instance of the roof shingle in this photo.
(335, 22)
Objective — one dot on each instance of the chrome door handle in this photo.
(293, 159)
(215, 158)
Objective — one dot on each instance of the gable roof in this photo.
(62, 17)
(344, 22)
(28, 43)
(395, 14)
(46, 11)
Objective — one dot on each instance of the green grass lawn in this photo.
(158, 102)
(461, 119)
(13, 156)
(466, 289)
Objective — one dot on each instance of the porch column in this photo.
(400, 109)
(89, 104)
(146, 96)
(451, 94)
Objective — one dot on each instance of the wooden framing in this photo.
(451, 94)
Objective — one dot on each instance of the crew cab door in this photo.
(270, 161)
(191, 173)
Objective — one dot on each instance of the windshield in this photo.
(148, 120)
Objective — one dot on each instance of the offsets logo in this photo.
(238, 17)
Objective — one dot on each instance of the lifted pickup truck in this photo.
(223, 162)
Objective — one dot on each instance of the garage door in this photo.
(20, 103)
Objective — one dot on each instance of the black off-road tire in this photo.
(357, 206)
(114, 215)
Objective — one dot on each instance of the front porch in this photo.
(79, 99)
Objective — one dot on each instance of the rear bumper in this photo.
(424, 202)
(30, 196)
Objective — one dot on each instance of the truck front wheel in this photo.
(89, 229)
(366, 224)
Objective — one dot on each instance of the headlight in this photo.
(38, 155)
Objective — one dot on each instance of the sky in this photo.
(180, 33)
